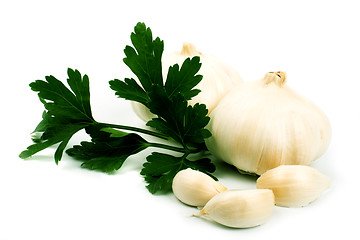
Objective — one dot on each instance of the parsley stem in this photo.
(168, 147)
(135, 129)
(186, 150)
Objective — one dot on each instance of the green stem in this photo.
(183, 149)
(135, 129)
(168, 147)
(186, 150)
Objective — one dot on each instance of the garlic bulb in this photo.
(218, 79)
(240, 208)
(195, 188)
(265, 124)
(294, 185)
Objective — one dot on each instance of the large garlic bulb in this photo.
(218, 79)
(265, 124)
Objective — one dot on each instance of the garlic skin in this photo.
(218, 79)
(264, 124)
(240, 208)
(294, 185)
(195, 188)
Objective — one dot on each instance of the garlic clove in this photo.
(294, 185)
(240, 208)
(195, 188)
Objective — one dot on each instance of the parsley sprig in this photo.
(68, 110)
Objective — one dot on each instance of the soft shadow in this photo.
(225, 170)
(218, 225)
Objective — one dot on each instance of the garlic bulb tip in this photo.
(279, 78)
(189, 49)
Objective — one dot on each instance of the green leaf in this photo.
(185, 79)
(162, 126)
(170, 113)
(67, 112)
(107, 150)
(80, 86)
(55, 132)
(130, 90)
(185, 124)
(195, 122)
(144, 59)
(160, 170)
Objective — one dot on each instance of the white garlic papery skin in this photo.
(195, 188)
(294, 185)
(240, 208)
(218, 79)
(264, 124)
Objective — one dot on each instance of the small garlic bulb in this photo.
(240, 208)
(264, 124)
(195, 188)
(218, 79)
(294, 185)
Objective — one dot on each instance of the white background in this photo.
(315, 42)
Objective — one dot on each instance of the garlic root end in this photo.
(200, 213)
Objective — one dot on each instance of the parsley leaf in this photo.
(144, 59)
(107, 150)
(185, 79)
(160, 169)
(170, 113)
(67, 112)
(145, 62)
(130, 90)
(195, 121)
(169, 102)
(185, 124)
